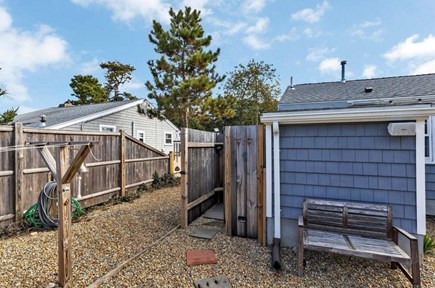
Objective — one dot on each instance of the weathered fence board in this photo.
(23, 172)
(201, 172)
(244, 181)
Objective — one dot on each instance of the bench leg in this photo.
(415, 266)
(301, 252)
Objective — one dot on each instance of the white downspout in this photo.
(420, 177)
(277, 181)
(276, 263)
(269, 171)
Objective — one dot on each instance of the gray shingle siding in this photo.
(355, 162)
(430, 182)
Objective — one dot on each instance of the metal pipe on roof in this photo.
(343, 64)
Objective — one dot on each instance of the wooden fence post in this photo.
(64, 219)
(184, 176)
(122, 166)
(260, 187)
(171, 163)
(227, 179)
(18, 167)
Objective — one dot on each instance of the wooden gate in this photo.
(244, 191)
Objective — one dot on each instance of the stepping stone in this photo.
(200, 257)
(216, 212)
(203, 233)
(214, 282)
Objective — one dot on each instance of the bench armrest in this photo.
(301, 221)
(404, 233)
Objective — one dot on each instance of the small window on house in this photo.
(427, 139)
(168, 138)
(107, 128)
(177, 150)
(140, 135)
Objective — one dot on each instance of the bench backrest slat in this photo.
(365, 219)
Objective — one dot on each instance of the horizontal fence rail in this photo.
(117, 163)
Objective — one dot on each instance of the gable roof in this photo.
(60, 117)
(338, 94)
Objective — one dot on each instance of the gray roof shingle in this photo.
(57, 115)
(383, 88)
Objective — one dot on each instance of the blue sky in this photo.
(45, 43)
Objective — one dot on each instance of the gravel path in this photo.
(112, 234)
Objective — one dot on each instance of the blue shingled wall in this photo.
(430, 182)
(355, 162)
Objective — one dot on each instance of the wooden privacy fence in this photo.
(118, 163)
(233, 163)
(201, 172)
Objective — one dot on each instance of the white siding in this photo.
(129, 120)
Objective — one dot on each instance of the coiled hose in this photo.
(39, 213)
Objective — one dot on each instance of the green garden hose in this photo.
(39, 213)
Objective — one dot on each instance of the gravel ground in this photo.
(112, 234)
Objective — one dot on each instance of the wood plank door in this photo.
(244, 195)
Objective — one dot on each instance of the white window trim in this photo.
(431, 132)
(107, 126)
(137, 135)
(172, 139)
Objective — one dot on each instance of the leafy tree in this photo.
(215, 113)
(184, 75)
(256, 89)
(116, 75)
(88, 90)
(8, 115)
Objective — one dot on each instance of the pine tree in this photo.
(184, 75)
(88, 90)
(117, 74)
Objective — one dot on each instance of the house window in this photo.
(140, 135)
(427, 139)
(168, 138)
(107, 128)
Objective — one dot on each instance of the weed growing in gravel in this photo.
(428, 244)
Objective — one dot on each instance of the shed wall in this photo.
(354, 162)
(154, 128)
(430, 189)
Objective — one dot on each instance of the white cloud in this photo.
(255, 43)
(25, 51)
(311, 15)
(90, 67)
(236, 28)
(368, 30)
(291, 35)
(330, 65)
(318, 53)
(127, 10)
(369, 71)
(198, 5)
(259, 27)
(426, 67)
(311, 33)
(410, 48)
(134, 84)
(253, 6)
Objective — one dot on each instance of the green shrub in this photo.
(428, 245)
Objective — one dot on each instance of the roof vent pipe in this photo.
(343, 64)
(291, 83)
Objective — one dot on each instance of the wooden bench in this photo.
(355, 229)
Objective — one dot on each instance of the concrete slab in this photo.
(203, 233)
(214, 282)
(216, 212)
